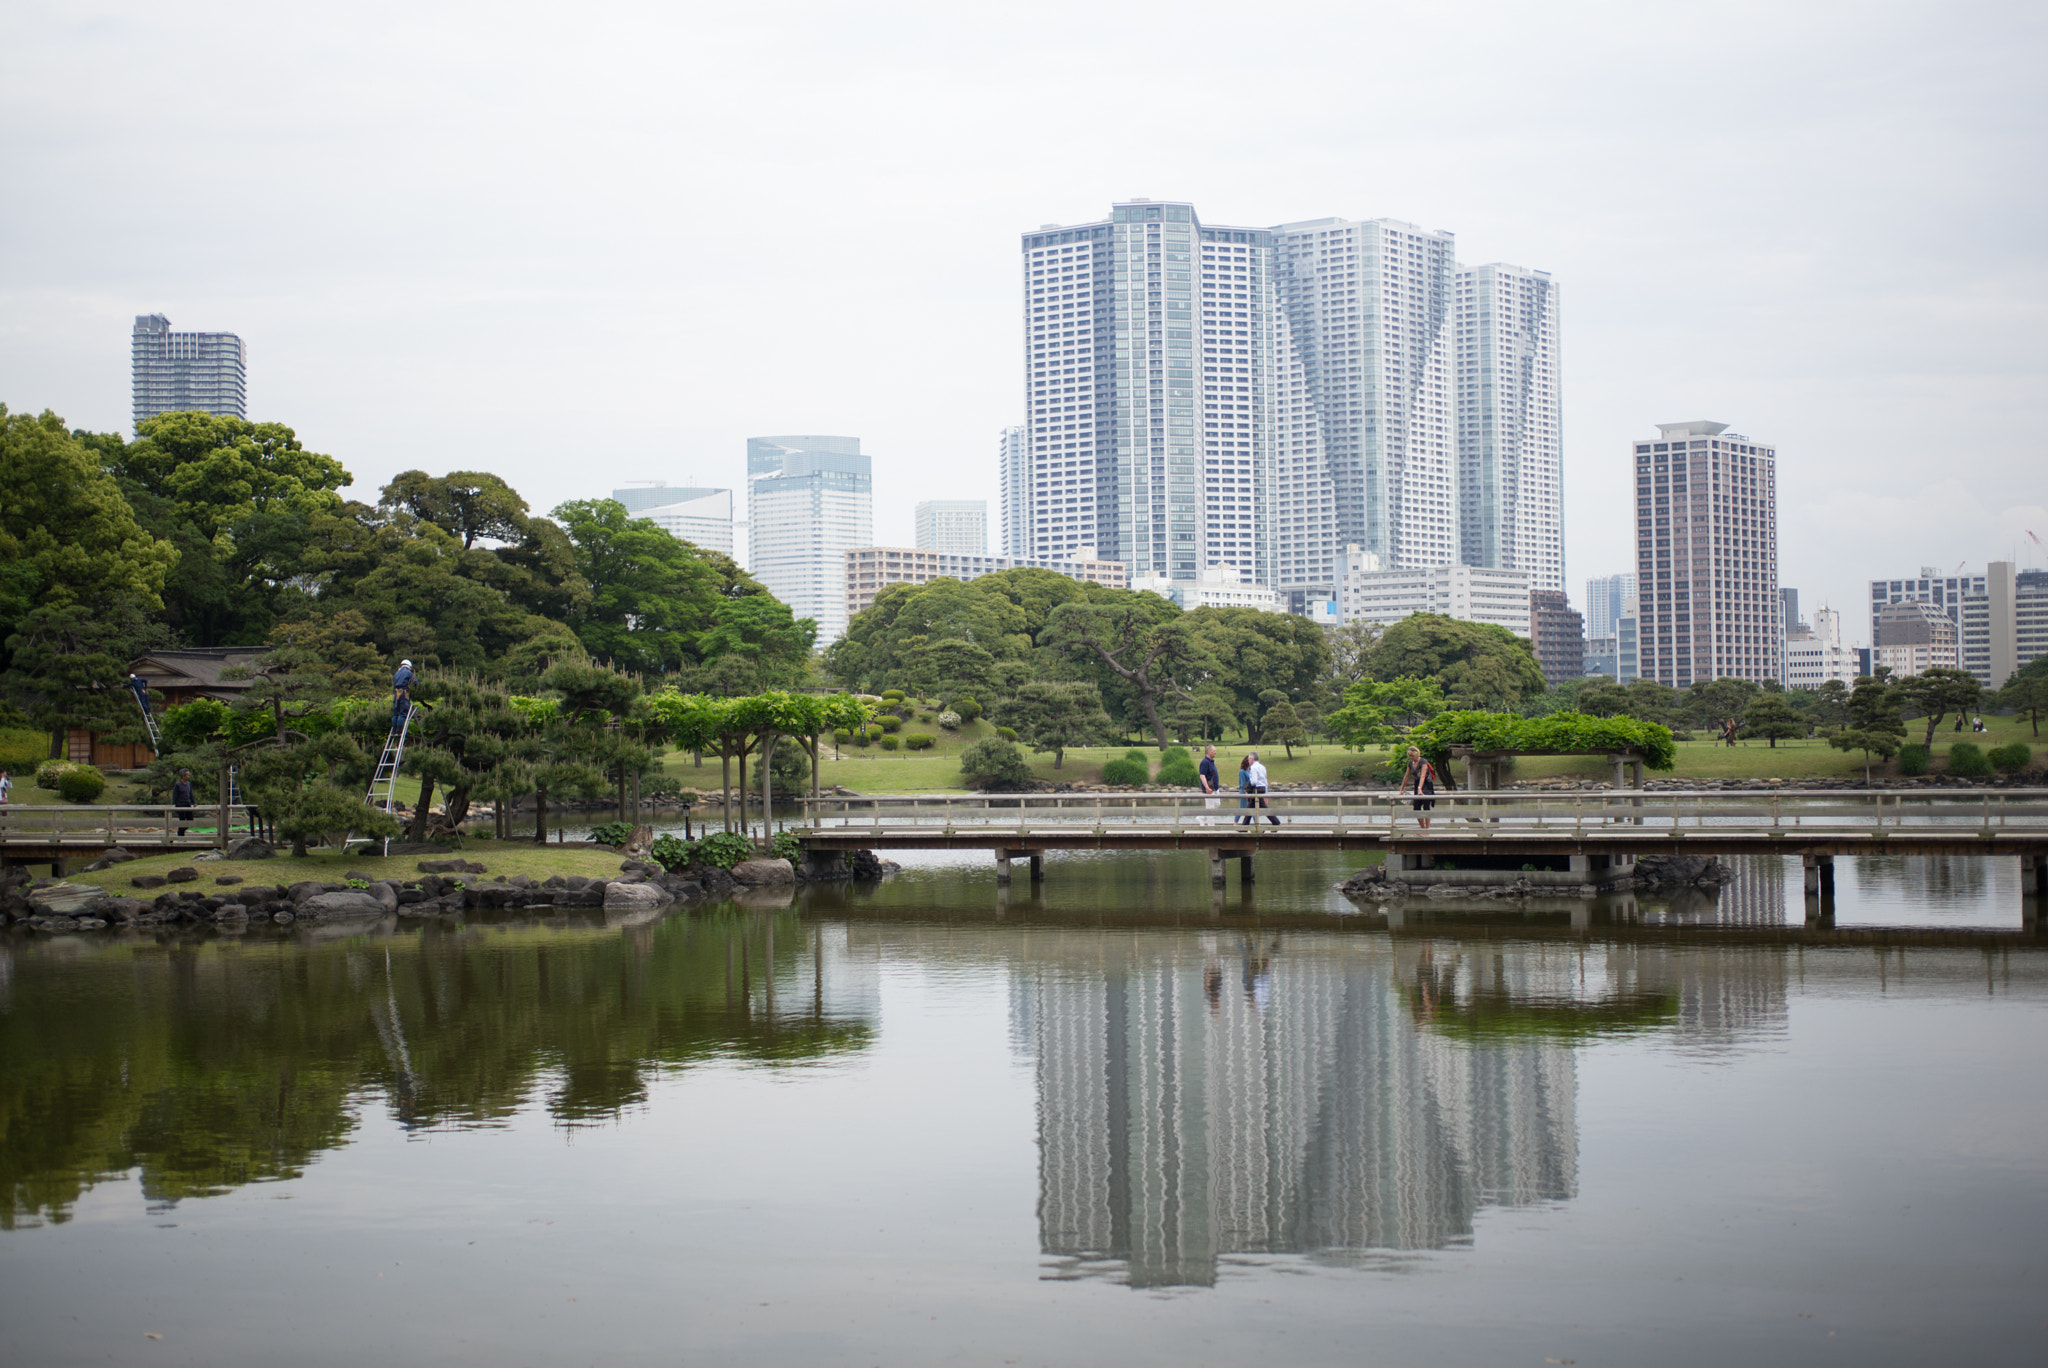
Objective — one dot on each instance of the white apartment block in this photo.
(1604, 597)
(1013, 475)
(956, 525)
(1219, 586)
(1813, 660)
(1469, 593)
(697, 515)
(810, 500)
(1707, 556)
(2004, 623)
(1202, 395)
(871, 569)
(172, 372)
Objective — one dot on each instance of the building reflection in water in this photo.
(1334, 1098)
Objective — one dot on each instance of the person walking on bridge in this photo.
(401, 693)
(1420, 777)
(183, 799)
(1257, 774)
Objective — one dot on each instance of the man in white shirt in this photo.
(1258, 783)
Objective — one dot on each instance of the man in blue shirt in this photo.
(1211, 780)
(401, 692)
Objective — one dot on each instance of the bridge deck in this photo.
(1832, 822)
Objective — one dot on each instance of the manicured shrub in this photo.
(49, 772)
(2010, 759)
(612, 833)
(1134, 773)
(992, 763)
(841, 735)
(722, 849)
(950, 720)
(1007, 733)
(890, 743)
(892, 724)
(192, 724)
(919, 741)
(967, 708)
(1177, 771)
(1914, 759)
(892, 695)
(22, 749)
(927, 717)
(80, 784)
(670, 851)
(1967, 758)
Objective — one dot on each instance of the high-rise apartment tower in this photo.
(1604, 597)
(1202, 395)
(1013, 476)
(1707, 556)
(809, 500)
(172, 372)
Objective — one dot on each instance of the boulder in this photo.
(68, 900)
(249, 848)
(763, 873)
(350, 902)
(182, 874)
(628, 897)
(148, 881)
(228, 880)
(589, 895)
(385, 894)
(110, 859)
(123, 910)
(451, 867)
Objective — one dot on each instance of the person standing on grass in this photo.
(1420, 777)
(1211, 781)
(1258, 778)
(6, 786)
(183, 800)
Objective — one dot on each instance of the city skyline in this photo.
(1903, 366)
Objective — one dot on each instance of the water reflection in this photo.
(209, 1064)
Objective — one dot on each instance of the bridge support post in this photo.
(1244, 868)
(1582, 864)
(1215, 868)
(1038, 866)
(1002, 869)
(2033, 890)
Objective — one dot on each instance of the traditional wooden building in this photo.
(175, 677)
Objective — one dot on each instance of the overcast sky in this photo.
(584, 244)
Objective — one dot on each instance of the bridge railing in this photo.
(1363, 811)
(114, 823)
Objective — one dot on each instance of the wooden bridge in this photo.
(49, 833)
(1586, 831)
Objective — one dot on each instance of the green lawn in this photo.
(876, 771)
(329, 866)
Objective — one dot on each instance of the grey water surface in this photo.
(1115, 1118)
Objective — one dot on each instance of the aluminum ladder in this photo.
(156, 741)
(384, 784)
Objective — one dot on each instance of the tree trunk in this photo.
(767, 785)
(725, 790)
(1152, 716)
(540, 816)
(456, 807)
(420, 813)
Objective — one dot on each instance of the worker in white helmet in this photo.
(401, 692)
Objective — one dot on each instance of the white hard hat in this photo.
(406, 664)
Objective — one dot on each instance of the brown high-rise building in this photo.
(1557, 633)
(1707, 556)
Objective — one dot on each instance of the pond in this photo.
(1112, 1119)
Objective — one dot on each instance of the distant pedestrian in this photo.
(1258, 778)
(1420, 779)
(184, 800)
(1244, 789)
(6, 786)
(401, 693)
(1211, 781)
